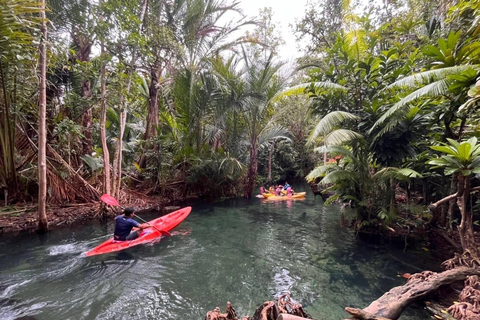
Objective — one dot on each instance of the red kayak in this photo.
(159, 227)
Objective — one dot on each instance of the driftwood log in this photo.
(419, 285)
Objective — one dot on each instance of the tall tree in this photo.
(103, 107)
(42, 127)
(75, 18)
(262, 84)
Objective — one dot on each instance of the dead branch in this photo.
(360, 314)
(393, 303)
(95, 193)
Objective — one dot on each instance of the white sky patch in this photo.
(285, 13)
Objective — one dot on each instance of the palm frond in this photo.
(303, 87)
(403, 174)
(341, 136)
(421, 78)
(320, 172)
(338, 176)
(434, 89)
(329, 122)
(334, 149)
(271, 132)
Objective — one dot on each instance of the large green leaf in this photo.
(341, 136)
(329, 122)
(338, 176)
(445, 149)
(464, 151)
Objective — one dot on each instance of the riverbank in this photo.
(23, 217)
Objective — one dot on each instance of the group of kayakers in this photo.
(279, 190)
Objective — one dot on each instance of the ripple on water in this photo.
(66, 249)
(243, 251)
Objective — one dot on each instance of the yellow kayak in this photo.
(299, 195)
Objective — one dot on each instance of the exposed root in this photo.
(463, 311)
(267, 311)
(285, 305)
(422, 276)
(230, 314)
(461, 260)
(469, 308)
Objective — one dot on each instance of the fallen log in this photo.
(391, 305)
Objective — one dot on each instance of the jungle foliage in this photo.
(387, 85)
(166, 98)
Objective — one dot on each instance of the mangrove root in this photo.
(267, 311)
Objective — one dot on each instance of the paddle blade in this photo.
(108, 199)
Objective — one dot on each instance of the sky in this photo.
(285, 12)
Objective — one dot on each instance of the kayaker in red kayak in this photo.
(124, 225)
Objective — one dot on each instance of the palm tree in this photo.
(262, 84)
(204, 38)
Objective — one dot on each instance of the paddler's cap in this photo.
(128, 211)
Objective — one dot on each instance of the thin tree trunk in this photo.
(270, 156)
(87, 140)
(84, 49)
(117, 163)
(103, 118)
(465, 229)
(42, 128)
(451, 203)
(252, 169)
(462, 203)
(152, 117)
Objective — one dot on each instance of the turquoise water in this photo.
(243, 251)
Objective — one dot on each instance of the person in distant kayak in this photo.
(286, 186)
(278, 191)
(124, 225)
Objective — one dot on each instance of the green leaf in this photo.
(445, 149)
(464, 151)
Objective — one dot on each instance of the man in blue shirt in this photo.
(124, 225)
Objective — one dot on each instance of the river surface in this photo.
(243, 251)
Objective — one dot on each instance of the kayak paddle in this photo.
(108, 199)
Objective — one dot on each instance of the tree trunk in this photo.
(42, 127)
(465, 229)
(252, 169)
(103, 119)
(152, 117)
(270, 156)
(451, 203)
(84, 47)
